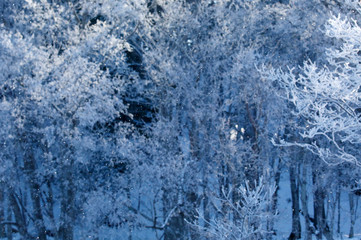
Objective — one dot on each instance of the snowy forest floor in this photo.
(282, 223)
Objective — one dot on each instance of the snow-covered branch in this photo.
(328, 97)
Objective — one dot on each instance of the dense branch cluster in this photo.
(329, 97)
(179, 119)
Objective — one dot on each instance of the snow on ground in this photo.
(283, 223)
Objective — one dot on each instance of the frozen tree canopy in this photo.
(180, 119)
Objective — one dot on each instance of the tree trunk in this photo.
(129, 198)
(333, 203)
(338, 199)
(304, 201)
(352, 214)
(9, 232)
(35, 191)
(50, 209)
(277, 178)
(319, 208)
(19, 217)
(175, 229)
(2, 211)
(317, 204)
(206, 206)
(67, 217)
(30, 168)
(296, 222)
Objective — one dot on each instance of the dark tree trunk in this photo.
(338, 199)
(2, 211)
(352, 214)
(176, 227)
(206, 204)
(50, 209)
(67, 217)
(35, 193)
(319, 207)
(296, 222)
(9, 232)
(19, 217)
(304, 202)
(277, 179)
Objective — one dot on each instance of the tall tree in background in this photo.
(327, 98)
(134, 118)
(214, 116)
(62, 80)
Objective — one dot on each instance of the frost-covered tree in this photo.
(63, 80)
(328, 97)
(215, 113)
(325, 102)
(252, 209)
(132, 118)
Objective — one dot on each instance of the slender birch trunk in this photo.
(352, 214)
(304, 201)
(296, 222)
